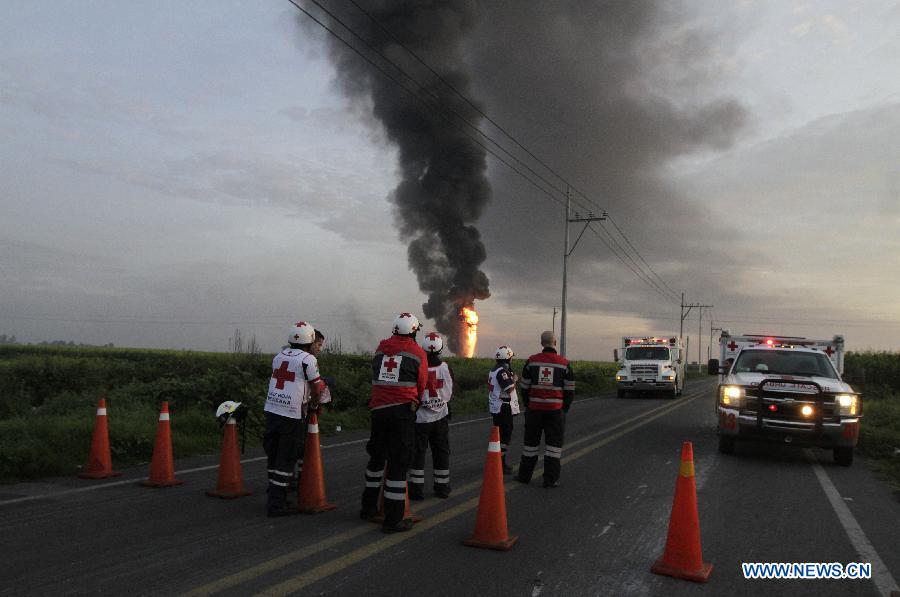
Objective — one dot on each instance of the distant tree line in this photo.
(4, 339)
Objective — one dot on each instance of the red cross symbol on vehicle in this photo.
(390, 365)
(732, 346)
(829, 351)
(434, 384)
(282, 375)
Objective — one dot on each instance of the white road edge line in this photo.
(880, 573)
(206, 468)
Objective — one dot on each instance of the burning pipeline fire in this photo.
(468, 331)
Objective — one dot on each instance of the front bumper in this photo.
(827, 434)
(645, 386)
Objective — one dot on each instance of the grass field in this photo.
(48, 398)
(880, 429)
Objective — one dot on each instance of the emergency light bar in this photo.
(784, 342)
(652, 340)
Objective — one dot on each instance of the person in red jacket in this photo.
(548, 389)
(399, 376)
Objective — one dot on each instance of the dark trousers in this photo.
(504, 420)
(437, 434)
(550, 423)
(281, 443)
(392, 440)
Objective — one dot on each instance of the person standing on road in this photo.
(548, 389)
(294, 387)
(432, 423)
(399, 377)
(502, 399)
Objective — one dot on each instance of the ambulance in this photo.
(650, 364)
(785, 389)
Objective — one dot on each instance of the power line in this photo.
(435, 99)
(674, 293)
(514, 140)
(646, 281)
(461, 95)
(647, 278)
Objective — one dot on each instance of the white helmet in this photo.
(405, 324)
(302, 333)
(230, 409)
(433, 343)
(504, 353)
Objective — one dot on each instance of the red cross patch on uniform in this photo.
(390, 368)
(545, 376)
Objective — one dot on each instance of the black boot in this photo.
(400, 527)
(507, 469)
(442, 491)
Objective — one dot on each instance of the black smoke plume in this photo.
(443, 188)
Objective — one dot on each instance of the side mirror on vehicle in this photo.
(616, 354)
(713, 367)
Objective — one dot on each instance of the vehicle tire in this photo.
(726, 444)
(621, 393)
(843, 456)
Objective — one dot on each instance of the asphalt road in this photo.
(596, 534)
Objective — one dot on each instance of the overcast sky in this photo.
(176, 170)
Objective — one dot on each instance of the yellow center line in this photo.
(291, 557)
(334, 566)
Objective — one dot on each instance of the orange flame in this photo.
(470, 319)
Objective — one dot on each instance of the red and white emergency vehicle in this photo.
(785, 389)
(650, 364)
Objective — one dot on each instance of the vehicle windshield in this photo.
(647, 353)
(784, 363)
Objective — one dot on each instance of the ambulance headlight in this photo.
(848, 404)
(731, 396)
(620, 377)
(668, 377)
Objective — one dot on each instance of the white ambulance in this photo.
(785, 389)
(650, 364)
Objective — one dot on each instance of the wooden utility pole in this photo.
(590, 218)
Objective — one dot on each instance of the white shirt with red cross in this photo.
(437, 394)
(292, 371)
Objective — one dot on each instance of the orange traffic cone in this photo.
(162, 468)
(408, 514)
(231, 481)
(100, 462)
(490, 525)
(311, 493)
(683, 558)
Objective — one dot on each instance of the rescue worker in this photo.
(502, 399)
(294, 387)
(432, 423)
(399, 376)
(548, 389)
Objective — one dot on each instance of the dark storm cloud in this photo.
(609, 94)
